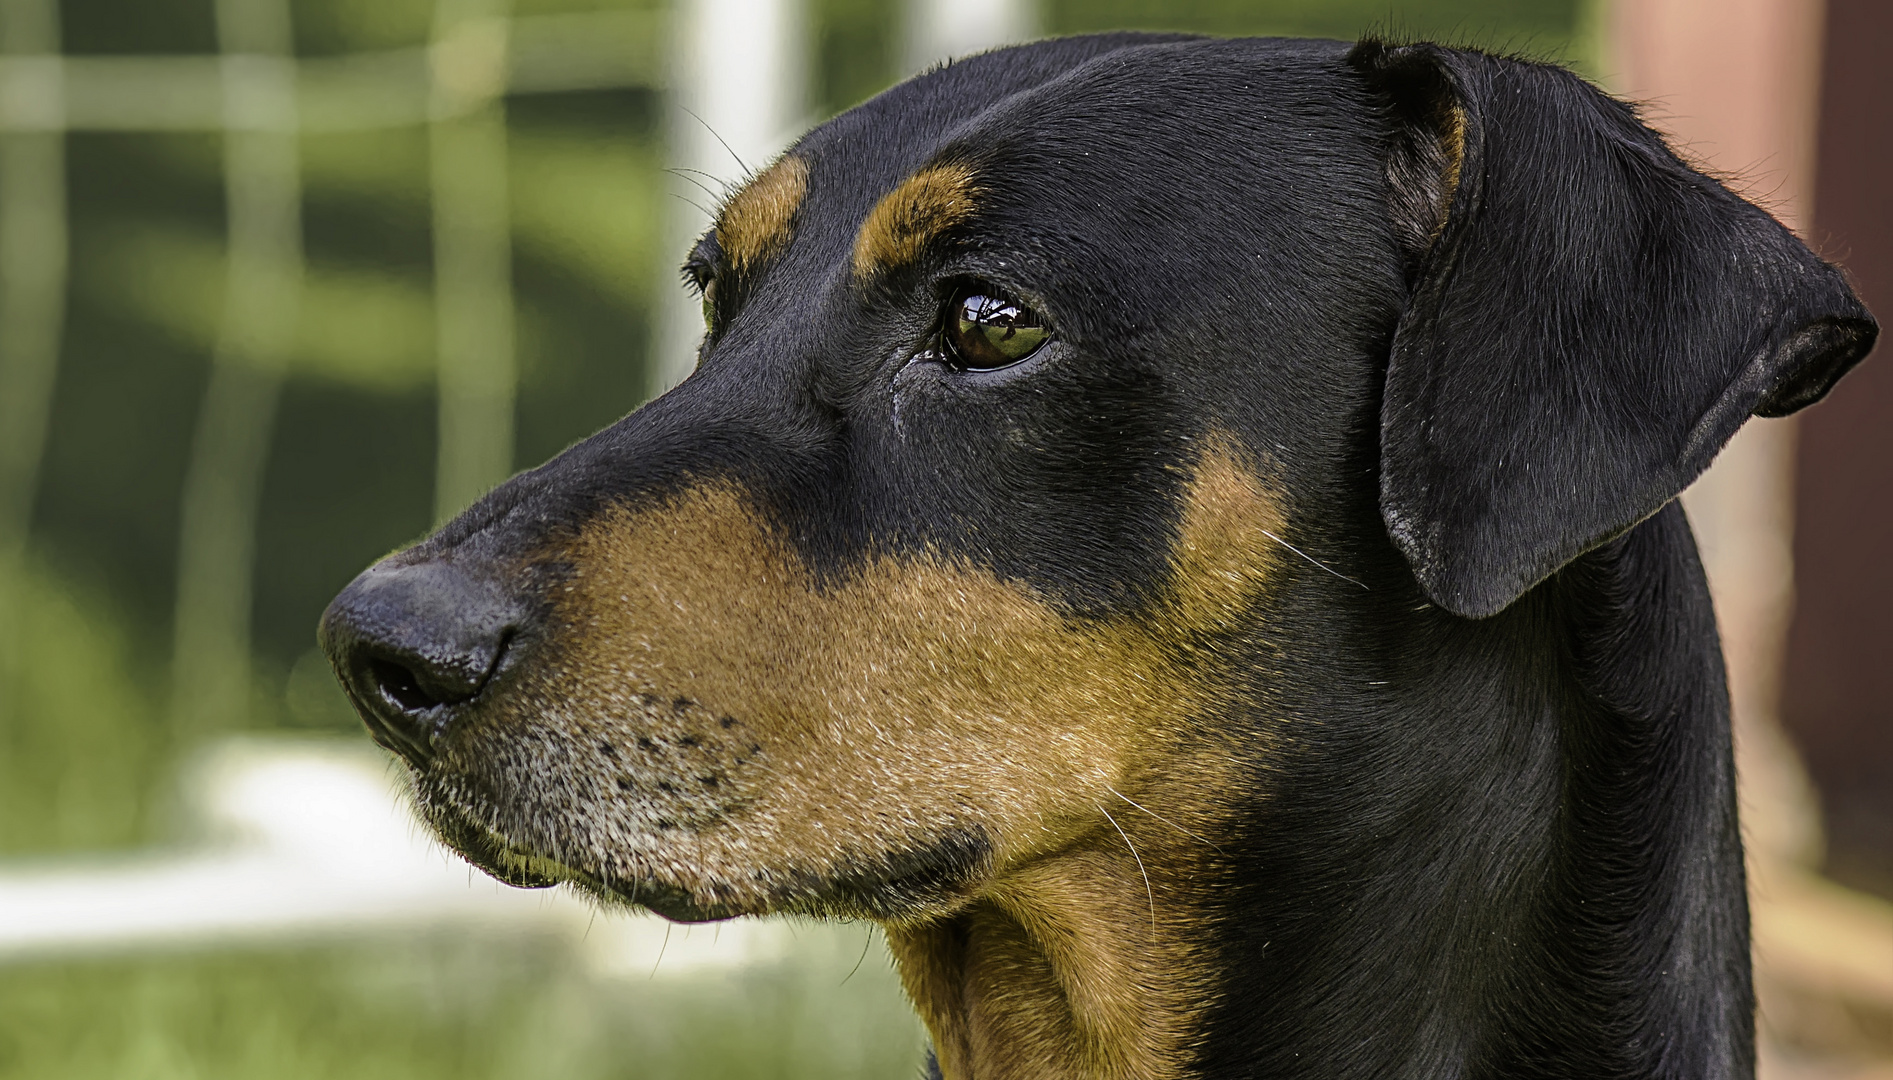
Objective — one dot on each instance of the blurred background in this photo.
(285, 282)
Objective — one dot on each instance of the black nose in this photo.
(412, 642)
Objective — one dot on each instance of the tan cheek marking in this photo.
(757, 221)
(920, 694)
(1225, 553)
(920, 691)
(900, 225)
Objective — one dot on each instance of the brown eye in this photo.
(987, 331)
(709, 303)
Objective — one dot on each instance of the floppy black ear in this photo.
(1590, 320)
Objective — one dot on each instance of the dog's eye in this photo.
(986, 331)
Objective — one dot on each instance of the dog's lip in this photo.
(931, 874)
(673, 903)
(521, 868)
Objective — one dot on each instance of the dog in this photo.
(1181, 533)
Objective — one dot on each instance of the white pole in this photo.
(738, 96)
(217, 533)
(473, 290)
(940, 30)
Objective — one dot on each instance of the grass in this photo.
(456, 1007)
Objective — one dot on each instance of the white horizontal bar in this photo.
(305, 840)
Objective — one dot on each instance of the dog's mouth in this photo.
(491, 852)
(922, 879)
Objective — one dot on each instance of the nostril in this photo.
(400, 686)
(414, 643)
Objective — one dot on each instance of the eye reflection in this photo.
(986, 330)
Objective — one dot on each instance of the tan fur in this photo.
(1453, 144)
(719, 720)
(1068, 968)
(757, 222)
(924, 205)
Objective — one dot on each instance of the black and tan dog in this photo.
(1180, 533)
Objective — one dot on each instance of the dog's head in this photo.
(1048, 405)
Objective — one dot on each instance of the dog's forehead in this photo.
(1183, 157)
(1075, 98)
(870, 148)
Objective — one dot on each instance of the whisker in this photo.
(1148, 893)
(660, 950)
(700, 172)
(1165, 820)
(1312, 559)
(740, 163)
(867, 939)
(684, 174)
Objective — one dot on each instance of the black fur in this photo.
(1497, 837)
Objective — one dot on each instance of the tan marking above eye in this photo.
(757, 222)
(923, 206)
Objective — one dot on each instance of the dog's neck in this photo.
(1082, 965)
(1506, 848)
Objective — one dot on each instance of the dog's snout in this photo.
(412, 642)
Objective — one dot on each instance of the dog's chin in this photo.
(924, 889)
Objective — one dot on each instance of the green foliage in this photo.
(80, 756)
(1540, 27)
(858, 42)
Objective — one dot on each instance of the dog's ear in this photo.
(1589, 320)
